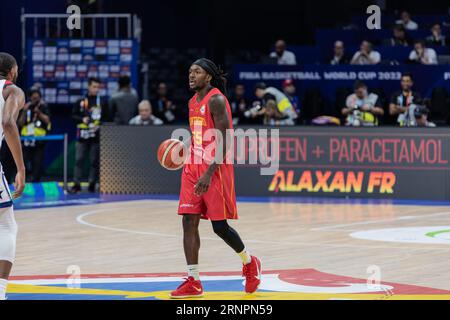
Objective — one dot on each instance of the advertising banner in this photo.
(384, 163)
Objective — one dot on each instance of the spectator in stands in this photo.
(88, 114)
(421, 116)
(123, 104)
(339, 55)
(362, 108)
(436, 38)
(289, 90)
(403, 99)
(423, 55)
(399, 37)
(405, 20)
(145, 116)
(276, 107)
(239, 104)
(165, 108)
(34, 121)
(366, 55)
(284, 56)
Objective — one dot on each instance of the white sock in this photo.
(193, 271)
(3, 285)
(245, 256)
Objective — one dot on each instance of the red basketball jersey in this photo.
(200, 121)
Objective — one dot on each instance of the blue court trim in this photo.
(320, 200)
(50, 137)
(344, 201)
(6, 204)
(295, 200)
(90, 199)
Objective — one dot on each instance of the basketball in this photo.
(171, 154)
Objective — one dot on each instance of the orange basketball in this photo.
(172, 154)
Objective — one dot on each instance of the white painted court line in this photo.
(337, 226)
(81, 216)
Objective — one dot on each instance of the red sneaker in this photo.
(252, 274)
(190, 288)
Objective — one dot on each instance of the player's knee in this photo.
(221, 228)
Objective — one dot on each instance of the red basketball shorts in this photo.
(218, 203)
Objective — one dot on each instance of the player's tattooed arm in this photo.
(218, 109)
(14, 102)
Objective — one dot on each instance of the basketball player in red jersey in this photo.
(12, 100)
(207, 188)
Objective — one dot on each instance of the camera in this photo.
(252, 111)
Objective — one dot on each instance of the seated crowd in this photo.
(422, 52)
(276, 107)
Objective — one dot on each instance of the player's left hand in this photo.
(19, 184)
(202, 184)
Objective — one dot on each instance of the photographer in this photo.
(88, 113)
(273, 98)
(289, 90)
(362, 108)
(34, 120)
(273, 117)
(403, 99)
(421, 115)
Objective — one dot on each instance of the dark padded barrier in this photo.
(384, 162)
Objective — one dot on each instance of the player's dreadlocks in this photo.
(7, 62)
(218, 77)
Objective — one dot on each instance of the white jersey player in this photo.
(12, 100)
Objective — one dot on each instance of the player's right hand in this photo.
(202, 184)
(19, 184)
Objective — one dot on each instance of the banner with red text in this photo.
(400, 163)
(383, 163)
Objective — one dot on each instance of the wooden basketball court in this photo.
(409, 245)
